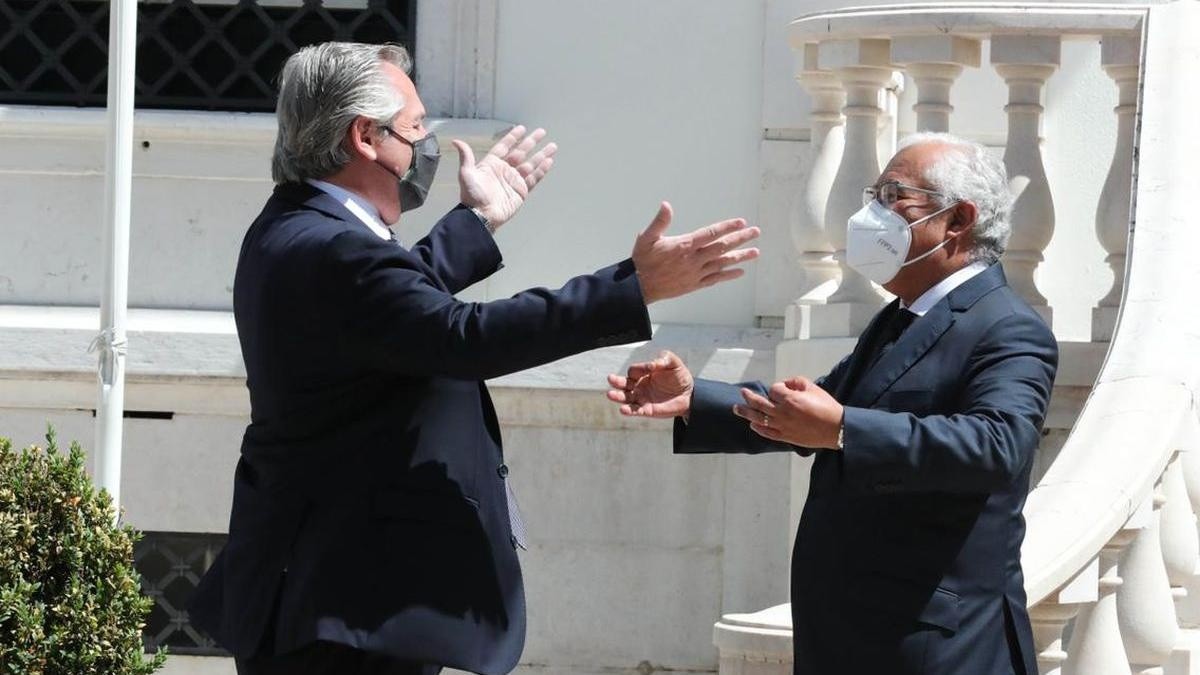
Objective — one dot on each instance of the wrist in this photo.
(649, 294)
(840, 443)
(484, 220)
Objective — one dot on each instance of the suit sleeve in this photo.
(395, 317)
(460, 250)
(981, 449)
(712, 426)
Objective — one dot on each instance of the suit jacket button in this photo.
(502, 470)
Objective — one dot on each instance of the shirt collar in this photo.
(942, 288)
(355, 204)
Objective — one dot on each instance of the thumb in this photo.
(668, 360)
(662, 220)
(466, 156)
(797, 383)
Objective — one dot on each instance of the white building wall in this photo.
(635, 552)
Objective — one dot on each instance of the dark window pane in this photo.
(189, 54)
(171, 564)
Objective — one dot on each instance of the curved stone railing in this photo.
(1112, 542)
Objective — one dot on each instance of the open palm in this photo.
(498, 184)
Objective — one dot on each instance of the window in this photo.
(171, 565)
(211, 55)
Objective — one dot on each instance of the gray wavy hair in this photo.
(968, 172)
(322, 89)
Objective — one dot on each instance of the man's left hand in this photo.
(501, 181)
(794, 411)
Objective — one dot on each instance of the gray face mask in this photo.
(415, 183)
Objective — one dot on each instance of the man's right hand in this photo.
(668, 267)
(658, 388)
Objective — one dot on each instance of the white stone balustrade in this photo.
(1119, 55)
(808, 217)
(934, 62)
(1112, 552)
(1026, 62)
(864, 70)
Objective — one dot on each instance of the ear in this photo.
(362, 139)
(962, 217)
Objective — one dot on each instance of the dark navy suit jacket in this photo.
(907, 558)
(369, 502)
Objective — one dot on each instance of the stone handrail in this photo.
(1112, 539)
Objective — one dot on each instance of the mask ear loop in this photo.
(940, 246)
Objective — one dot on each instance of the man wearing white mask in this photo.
(907, 558)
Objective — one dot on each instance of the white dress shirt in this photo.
(942, 288)
(355, 204)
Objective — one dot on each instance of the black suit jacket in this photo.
(369, 502)
(907, 558)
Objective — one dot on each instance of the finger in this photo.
(662, 220)
(758, 402)
(778, 392)
(721, 277)
(637, 371)
(466, 156)
(730, 242)
(742, 255)
(766, 432)
(537, 161)
(507, 141)
(749, 414)
(668, 360)
(620, 396)
(617, 382)
(539, 173)
(707, 235)
(539, 157)
(635, 410)
(518, 153)
(797, 383)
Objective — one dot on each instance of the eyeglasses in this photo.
(392, 133)
(889, 193)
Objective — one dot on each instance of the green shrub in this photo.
(70, 602)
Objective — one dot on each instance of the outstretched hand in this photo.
(658, 388)
(668, 267)
(499, 183)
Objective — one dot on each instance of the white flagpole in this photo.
(118, 185)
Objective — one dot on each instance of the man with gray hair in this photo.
(907, 558)
(373, 528)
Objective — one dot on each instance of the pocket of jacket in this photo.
(426, 507)
(907, 602)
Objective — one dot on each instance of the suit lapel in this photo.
(919, 338)
(912, 345)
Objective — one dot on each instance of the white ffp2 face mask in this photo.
(878, 241)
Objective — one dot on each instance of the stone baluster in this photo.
(864, 69)
(1119, 55)
(1050, 617)
(816, 260)
(1096, 647)
(1145, 605)
(934, 62)
(1188, 608)
(1180, 543)
(1026, 62)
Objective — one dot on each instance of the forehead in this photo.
(413, 108)
(908, 165)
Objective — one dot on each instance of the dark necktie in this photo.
(900, 322)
